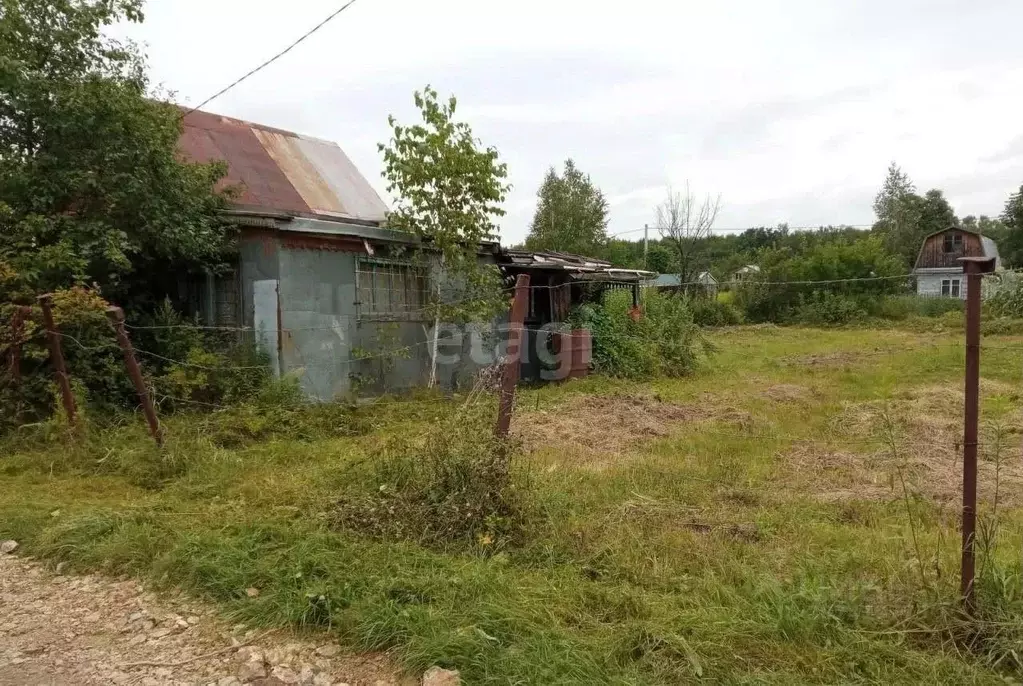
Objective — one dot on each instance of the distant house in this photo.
(664, 281)
(747, 273)
(938, 270)
(707, 280)
(672, 282)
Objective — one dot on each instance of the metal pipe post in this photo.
(57, 358)
(116, 315)
(974, 268)
(513, 360)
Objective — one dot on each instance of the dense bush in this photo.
(715, 312)
(848, 269)
(661, 340)
(185, 367)
(451, 485)
(1007, 298)
(825, 308)
(899, 307)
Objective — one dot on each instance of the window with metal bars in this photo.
(390, 290)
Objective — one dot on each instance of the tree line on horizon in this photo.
(572, 215)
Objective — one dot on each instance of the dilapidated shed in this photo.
(328, 293)
(558, 282)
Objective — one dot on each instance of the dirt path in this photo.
(90, 630)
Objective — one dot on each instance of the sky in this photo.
(789, 110)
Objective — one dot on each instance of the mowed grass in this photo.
(748, 524)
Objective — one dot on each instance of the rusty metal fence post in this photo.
(116, 315)
(974, 268)
(57, 358)
(513, 360)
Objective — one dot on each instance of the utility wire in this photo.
(273, 59)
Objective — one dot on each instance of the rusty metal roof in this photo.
(282, 171)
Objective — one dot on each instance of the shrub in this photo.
(1007, 299)
(662, 341)
(899, 307)
(451, 485)
(822, 308)
(715, 312)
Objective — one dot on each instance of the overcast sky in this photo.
(790, 109)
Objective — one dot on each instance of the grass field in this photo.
(786, 515)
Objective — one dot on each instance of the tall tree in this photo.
(1011, 248)
(449, 192)
(684, 222)
(935, 213)
(897, 207)
(91, 187)
(571, 214)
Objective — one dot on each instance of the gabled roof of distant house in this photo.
(748, 269)
(987, 244)
(664, 281)
(281, 171)
(673, 280)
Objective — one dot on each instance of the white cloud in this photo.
(790, 109)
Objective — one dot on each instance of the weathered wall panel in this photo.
(335, 350)
(933, 255)
(317, 307)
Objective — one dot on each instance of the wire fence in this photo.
(346, 358)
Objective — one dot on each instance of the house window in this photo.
(388, 289)
(953, 242)
(951, 287)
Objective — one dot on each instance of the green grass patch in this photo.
(758, 537)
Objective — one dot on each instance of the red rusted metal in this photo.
(513, 360)
(116, 316)
(251, 170)
(281, 171)
(974, 268)
(575, 351)
(57, 358)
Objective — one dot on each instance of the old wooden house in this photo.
(938, 270)
(321, 285)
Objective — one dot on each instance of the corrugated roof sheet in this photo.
(549, 259)
(280, 170)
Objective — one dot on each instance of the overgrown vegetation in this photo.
(748, 527)
(661, 340)
(449, 486)
(95, 203)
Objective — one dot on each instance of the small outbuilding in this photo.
(322, 287)
(558, 282)
(939, 272)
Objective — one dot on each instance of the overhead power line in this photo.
(273, 59)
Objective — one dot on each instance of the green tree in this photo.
(661, 259)
(897, 207)
(448, 193)
(91, 187)
(935, 214)
(1011, 247)
(571, 214)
